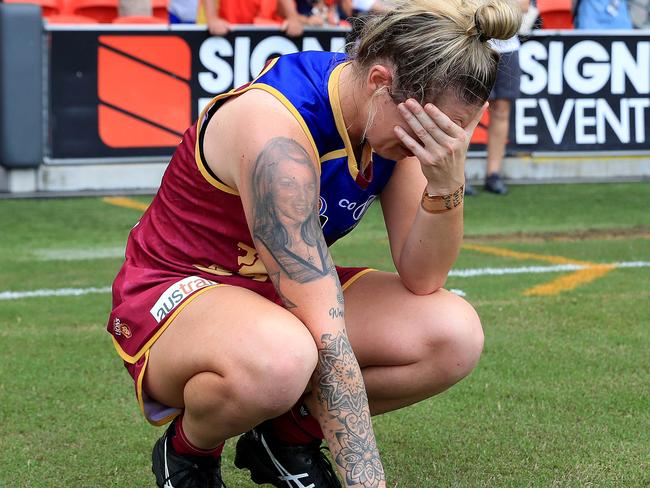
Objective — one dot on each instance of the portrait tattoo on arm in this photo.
(342, 393)
(285, 190)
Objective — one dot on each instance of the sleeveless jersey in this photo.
(194, 235)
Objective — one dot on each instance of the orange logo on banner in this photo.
(143, 89)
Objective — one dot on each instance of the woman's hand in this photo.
(442, 145)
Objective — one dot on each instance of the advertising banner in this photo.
(583, 93)
(132, 93)
(117, 94)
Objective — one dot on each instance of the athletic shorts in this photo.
(139, 303)
(506, 86)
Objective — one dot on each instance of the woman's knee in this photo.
(272, 380)
(455, 336)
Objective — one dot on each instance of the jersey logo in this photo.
(250, 264)
(357, 208)
(322, 208)
(213, 269)
(176, 293)
(121, 329)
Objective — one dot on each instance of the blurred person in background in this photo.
(129, 8)
(602, 14)
(355, 8)
(313, 10)
(219, 15)
(640, 13)
(505, 91)
(321, 12)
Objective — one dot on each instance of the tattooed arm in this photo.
(280, 195)
(344, 415)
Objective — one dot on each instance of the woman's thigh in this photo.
(247, 340)
(390, 326)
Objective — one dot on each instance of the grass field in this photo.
(561, 397)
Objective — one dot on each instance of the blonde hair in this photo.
(435, 46)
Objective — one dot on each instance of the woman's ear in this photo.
(379, 77)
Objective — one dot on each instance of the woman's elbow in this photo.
(424, 285)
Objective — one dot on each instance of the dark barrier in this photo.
(21, 86)
(132, 93)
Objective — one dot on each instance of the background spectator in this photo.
(640, 13)
(182, 11)
(353, 8)
(602, 14)
(324, 12)
(312, 10)
(506, 89)
(128, 8)
(220, 14)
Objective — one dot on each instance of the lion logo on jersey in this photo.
(120, 328)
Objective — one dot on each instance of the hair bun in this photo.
(497, 19)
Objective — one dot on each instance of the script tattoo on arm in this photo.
(336, 313)
(285, 190)
(342, 393)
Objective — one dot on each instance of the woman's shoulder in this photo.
(240, 130)
(306, 64)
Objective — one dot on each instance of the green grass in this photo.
(560, 397)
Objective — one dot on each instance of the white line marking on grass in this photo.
(61, 292)
(633, 264)
(78, 254)
(468, 273)
(462, 273)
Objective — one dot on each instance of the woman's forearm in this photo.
(430, 250)
(340, 403)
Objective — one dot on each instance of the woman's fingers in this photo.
(446, 125)
(415, 118)
(412, 145)
(430, 124)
